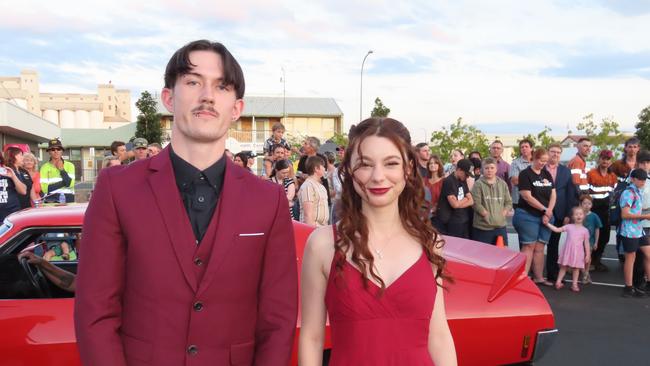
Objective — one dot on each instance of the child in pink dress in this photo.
(576, 251)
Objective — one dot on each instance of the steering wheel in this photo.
(37, 278)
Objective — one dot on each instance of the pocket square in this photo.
(251, 234)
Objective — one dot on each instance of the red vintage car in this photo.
(496, 314)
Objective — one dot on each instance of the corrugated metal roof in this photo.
(272, 107)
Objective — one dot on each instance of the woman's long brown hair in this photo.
(352, 228)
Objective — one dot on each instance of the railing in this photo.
(252, 136)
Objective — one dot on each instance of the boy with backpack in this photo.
(631, 229)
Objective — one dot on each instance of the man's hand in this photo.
(566, 221)
(31, 258)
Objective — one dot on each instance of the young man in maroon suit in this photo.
(192, 283)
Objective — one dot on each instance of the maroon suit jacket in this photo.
(140, 299)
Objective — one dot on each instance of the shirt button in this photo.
(201, 199)
(192, 350)
(198, 306)
(198, 262)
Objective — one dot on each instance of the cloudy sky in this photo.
(505, 66)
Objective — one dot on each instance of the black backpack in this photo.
(615, 203)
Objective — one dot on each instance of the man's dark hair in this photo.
(526, 141)
(312, 163)
(115, 145)
(14, 283)
(582, 139)
(421, 145)
(179, 64)
(632, 141)
(277, 146)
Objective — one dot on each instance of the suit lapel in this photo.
(170, 204)
(224, 239)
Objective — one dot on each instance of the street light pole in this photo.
(284, 96)
(361, 88)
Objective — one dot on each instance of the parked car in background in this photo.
(496, 314)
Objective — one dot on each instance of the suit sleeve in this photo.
(278, 292)
(100, 281)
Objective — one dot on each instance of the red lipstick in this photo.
(378, 191)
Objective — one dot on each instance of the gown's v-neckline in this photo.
(407, 270)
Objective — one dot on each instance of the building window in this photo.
(110, 107)
(109, 98)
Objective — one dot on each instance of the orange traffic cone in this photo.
(500, 242)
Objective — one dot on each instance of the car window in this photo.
(6, 226)
(57, 246)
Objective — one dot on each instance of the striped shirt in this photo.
(601, 186)
(578, 168)
(314, 192)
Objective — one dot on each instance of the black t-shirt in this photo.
(540, 187)
(451, 186)
(424, 172)
(23, 176)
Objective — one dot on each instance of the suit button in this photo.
(198, 306)
(198, 261)
(192, 350)
(201, 199)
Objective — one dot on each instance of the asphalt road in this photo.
(597, 326)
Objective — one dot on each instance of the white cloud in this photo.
(485, 61)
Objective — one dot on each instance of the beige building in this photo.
(108, 108)
(319, 117)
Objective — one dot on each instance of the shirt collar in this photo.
(185, 173)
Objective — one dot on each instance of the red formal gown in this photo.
(391, 329)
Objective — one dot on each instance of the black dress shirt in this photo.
(200, 190)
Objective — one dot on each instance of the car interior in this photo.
(59, 246)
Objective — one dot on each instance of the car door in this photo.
(38, 331)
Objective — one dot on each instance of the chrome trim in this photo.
(543, 342)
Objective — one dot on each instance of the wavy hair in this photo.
(352, 228)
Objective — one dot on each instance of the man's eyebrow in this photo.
(196, 74)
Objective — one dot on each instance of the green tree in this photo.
(643, 128)
(603, 135)
(380, 109)
(458, 136)
(148, 122)
(541, 139)
(340, 139)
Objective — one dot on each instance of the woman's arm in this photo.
(313, 287)
(291, 192)
(21, 188)
(441, 344)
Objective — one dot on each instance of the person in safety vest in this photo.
(57, 175)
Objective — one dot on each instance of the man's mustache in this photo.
(202, 108)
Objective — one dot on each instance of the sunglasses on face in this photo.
(56, 149)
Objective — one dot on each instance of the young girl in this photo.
(593, 224)
(576, 253)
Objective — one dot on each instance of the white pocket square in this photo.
(251, 234)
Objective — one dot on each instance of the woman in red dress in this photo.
(378, 273)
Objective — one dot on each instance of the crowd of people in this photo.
(472, 198)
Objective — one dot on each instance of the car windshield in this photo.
(6, 226)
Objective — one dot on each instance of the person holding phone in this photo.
(10, 188)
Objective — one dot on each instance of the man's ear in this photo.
(167, 96)
(237, 109)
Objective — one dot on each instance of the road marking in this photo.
(599, 283)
